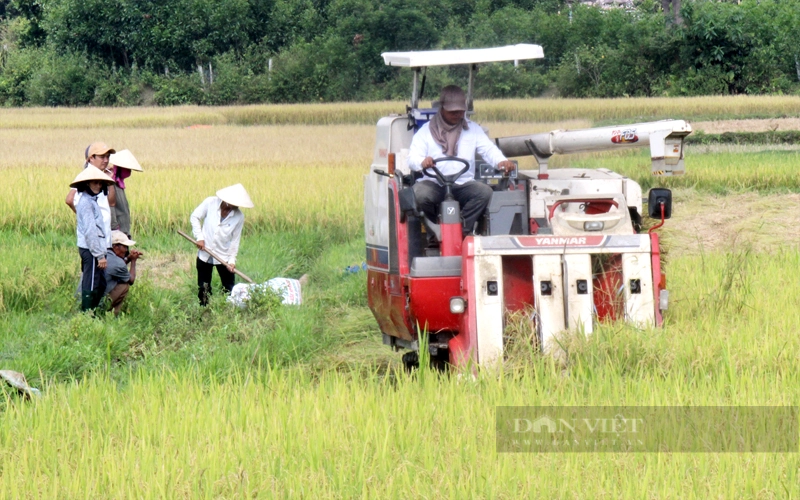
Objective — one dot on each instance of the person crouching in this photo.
(118, 278)
(221, 231)
(92, 236)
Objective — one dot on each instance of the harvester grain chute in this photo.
(562, 243)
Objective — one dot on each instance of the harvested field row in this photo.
(606, 111)
(753, 125)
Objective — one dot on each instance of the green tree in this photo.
(30, 12)
(727, 41)
(290, 21)
(178, 33)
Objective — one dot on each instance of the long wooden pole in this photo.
(244, 276)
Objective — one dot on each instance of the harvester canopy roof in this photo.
(464, 56)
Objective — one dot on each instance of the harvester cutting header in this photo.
(562, 245)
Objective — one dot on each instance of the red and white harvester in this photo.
(564, 245)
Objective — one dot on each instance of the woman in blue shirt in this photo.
(91, 235)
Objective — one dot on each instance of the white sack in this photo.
(287, 288)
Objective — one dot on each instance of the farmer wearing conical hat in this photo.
(91, 235)
(122, 163)
(221, 230)
(97, 155)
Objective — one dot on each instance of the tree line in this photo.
(129, 52)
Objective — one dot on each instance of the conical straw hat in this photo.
(17, 381)
(125, 159)
(235, 195)
(91, 174)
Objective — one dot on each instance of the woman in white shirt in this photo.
(217, 225)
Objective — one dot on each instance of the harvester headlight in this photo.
(595, 225)
(458, 305)
(663, 299)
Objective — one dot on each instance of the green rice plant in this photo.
(723, 172)
(35, 275)
(297, 177)
(295, 195)
(520, 337)
(160, 204)
(284, 434)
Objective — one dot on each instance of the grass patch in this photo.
(772, 137)
(162, 325)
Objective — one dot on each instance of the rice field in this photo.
(322, 164)
(500, 110)
(171, 401)
(287, 435)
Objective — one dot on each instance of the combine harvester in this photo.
(563, 245)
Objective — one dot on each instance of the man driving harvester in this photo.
(450, 133)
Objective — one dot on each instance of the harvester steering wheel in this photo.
(446, 180)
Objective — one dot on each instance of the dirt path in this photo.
(762, 125)
(167, 270)
(716, 223)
